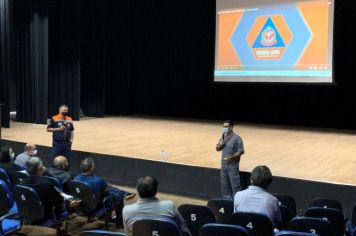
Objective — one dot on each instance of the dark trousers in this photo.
(229, 182)
(60, 148)
(117, 197)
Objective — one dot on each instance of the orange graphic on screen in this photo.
(314, 14)
(316, 52)
(226, 52)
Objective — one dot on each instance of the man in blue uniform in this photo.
(61, 125)
(232, 149)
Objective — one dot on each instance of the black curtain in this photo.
(118, 60)
(47, 58)
(93, 57)
(64, 56)
(31, 60)
(5, 23)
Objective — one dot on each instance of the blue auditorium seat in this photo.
(256, 224)
(100, 233)
(5, 177)
(9, 222)
(9, 225)
(222, 209)
(155, 227)
(326, 203)
(90, 205)
(31, 209)
(287, 201)
(312, 225)
(294, 233)
(196, 216)
(334, 216)
(286, 218)
(222, 230)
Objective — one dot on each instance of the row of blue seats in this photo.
(21, 204)
(216, 211)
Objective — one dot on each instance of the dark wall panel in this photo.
(196, 181)
(162, 55)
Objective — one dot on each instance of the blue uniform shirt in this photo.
(56, 122)
(233, 144)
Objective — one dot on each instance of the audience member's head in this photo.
(6, 154)
(147, 187)
(34, 166)
(30, 149)
(61, 163)
(261, 176)
(87, 165)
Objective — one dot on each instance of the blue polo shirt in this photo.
(97, 184)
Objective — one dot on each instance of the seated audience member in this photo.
(6, 157)
(59, 169)
(30, 150)
(148, 206)
(102, 189)
(48, 194)
(256, 199)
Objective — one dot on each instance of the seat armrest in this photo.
(2, 218)
(104, 202)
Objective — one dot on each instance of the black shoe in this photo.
(119, 222)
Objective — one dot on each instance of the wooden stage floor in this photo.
(303, 153)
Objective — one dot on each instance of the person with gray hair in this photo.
(103, 189)
(48, 194)
(29, 150)
(59, 170)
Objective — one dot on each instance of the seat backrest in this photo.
(222, 230)
(196, 216)
(332, 215)
(222, 209)
(6, 198)
(326, 203)
(18, 176)
(54, 181)
(100, 233)
(256, 224)
(155, 227)
(286, 218)
(29, 204)
(312, 225)
(293, 233)
(287, 201)
(83, 191)
(353, 216)
(5, 177)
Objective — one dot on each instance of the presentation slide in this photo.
(274, 41)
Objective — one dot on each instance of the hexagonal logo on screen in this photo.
(271, 35)
(270, 42)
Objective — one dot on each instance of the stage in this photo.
(322, 155)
